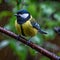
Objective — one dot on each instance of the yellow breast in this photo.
(18, 28)
(27, 29)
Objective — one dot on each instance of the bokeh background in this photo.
(46, 13)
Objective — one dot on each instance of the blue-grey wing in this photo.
(37, 26)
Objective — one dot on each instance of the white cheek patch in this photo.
(24, 15)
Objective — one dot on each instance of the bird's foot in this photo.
(29, 41)
(18, 36)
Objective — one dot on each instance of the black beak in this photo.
(16, 14)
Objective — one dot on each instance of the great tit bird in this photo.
(26, 24)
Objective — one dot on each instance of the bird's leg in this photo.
(29, 40)
(20, 36)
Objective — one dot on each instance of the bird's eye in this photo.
(24, 15)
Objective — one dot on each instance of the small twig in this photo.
(57, 30)
(32, 45)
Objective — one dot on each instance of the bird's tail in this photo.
(42, 32)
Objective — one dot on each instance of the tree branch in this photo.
(32, 45)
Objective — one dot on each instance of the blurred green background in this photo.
(46, 13)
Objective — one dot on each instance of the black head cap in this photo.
(22, 11)
(21, 17)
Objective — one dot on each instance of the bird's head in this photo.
(22, 16)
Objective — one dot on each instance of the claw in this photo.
(18, 36)
(28, 42)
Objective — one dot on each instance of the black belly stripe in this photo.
(22, 32)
